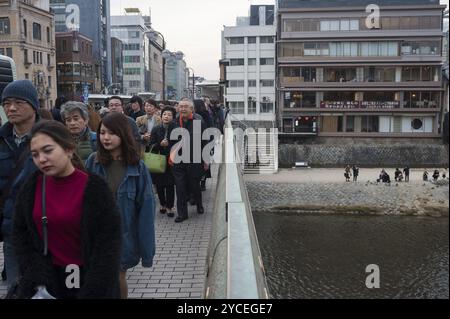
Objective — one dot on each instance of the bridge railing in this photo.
(235, 268)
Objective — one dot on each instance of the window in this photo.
(266, 61)
(251, 83)
(266, 83)
(236, 62)
(132, 59)
(134, 84)
(49, 81)
(9, 52)
(237, 107)
(48, 34)
(64, 45)
(251, 40)
(27, 76)
(266, 107)
(237, 40)
(5, 27)
(131, 71)
(49, 61)
(252, 61)
(75, 45)
(132, 47)
(25, 56)
(251, 106)
(236, 83)
(369, 124)
(37, 31)
(266, 40)
(25, 28)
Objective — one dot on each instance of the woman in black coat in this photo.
(160, 143)
(81, 241)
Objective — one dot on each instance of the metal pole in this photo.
(193, 84)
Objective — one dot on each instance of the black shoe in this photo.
(162, 210)
(203, 186)
(180, 219)
(170, 214)
(200, 210)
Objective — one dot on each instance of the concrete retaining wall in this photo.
(373, 155)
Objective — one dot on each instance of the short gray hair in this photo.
(73, 106)
(186, 99)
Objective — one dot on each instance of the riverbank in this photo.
(323, 191)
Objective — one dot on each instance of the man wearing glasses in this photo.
(20, 102)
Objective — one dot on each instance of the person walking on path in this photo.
(76, 117)
(81, 226)
(147, 122)
(118, 160)
(355, 170)
(188, 169)
(20, 102)
(406, 173)
(160, 143)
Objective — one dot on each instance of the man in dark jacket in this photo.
(188, 170)
(20, 101)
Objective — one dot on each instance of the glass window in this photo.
(235, 83)
(251, 40)
(37, 31)
(325, 25)
(266, 83)
(267, 61)
(369, 124)
(354, 25)
(5, 27)
(236, 107)
(266, 107)
(251, 83)
(9, 52)
(345, 25)
(25, 28)
(252, 61)
(236, 62)
(334, 25)
(266, 40)
(251, 106)
(350, 126)
(237, 40)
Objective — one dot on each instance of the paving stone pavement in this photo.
(179, 266)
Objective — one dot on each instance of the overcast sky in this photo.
(194, 26)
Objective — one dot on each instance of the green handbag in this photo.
(156, 163)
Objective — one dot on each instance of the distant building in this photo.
(117, 65)
(75, 64)
(176, 78)
(130, 30)
(94, 23)
(27, 35)
(343, 75)
(249, 50)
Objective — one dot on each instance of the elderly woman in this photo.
(76, 117)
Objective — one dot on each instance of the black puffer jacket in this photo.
(101, 243)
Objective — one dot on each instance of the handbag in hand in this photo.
(156, 163)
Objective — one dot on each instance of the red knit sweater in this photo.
(64, 205)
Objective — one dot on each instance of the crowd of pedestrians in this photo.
(75, 189)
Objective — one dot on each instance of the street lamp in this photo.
(153, 35)
(193, 81)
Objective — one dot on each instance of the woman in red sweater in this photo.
(67, 232)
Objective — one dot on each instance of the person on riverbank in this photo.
(347, 173)
(355, 170)
(406, 173)
(425, 176)
(435, 175)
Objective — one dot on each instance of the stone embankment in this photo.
(416, 198)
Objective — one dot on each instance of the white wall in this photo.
(427, 126)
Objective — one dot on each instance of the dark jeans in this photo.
(187, 181)
(166, 195)
(11, 266)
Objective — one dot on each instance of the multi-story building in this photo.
(117, 65)
(92, 19)
(156, 46)
(249, 47)
(130, 30)
(74, 64)
(176, 77)
(27, 35)
(347, 72)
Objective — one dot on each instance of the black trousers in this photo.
(187, 181)
(166, 195)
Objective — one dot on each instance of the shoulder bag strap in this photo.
(44, 218)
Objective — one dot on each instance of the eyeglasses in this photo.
(115, 105)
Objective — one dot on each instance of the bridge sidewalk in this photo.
(179, 267)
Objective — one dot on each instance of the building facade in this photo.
(156, 67)
(249, 48)
(117, 65)
(75, 64)
(27, 35)
(345, 72)
(176, 78)
(130, 30)
(92, 19)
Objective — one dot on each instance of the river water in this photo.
(325, 256)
